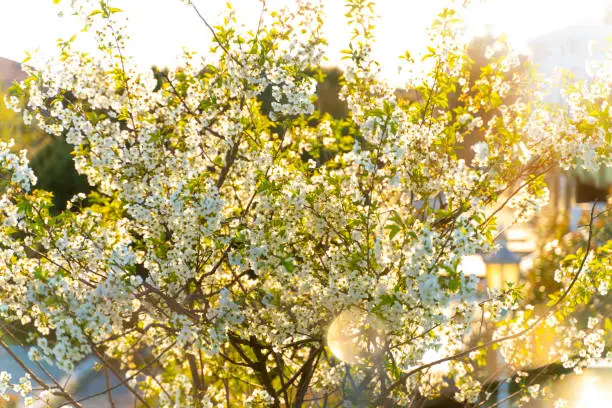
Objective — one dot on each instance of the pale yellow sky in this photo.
(161, 27)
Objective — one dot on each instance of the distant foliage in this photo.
(50, 157)
(55, 170)
(12, 127)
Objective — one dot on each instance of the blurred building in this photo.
(10, 71)
(571, 49)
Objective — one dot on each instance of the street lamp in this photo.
(501, 266)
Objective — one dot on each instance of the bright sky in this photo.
(161, 27)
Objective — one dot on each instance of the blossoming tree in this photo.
(219, 265)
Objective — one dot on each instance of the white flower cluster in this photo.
(23, 387)
(17, 166)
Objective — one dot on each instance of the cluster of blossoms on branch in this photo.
(218, 249)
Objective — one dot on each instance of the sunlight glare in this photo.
(355, 336)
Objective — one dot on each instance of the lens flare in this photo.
(356, 336)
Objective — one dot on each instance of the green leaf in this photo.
(393, 230)
(396, 218)
(288, 265)
(387, 300)
(25, 207)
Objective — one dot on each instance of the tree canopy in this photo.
(221, 262)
